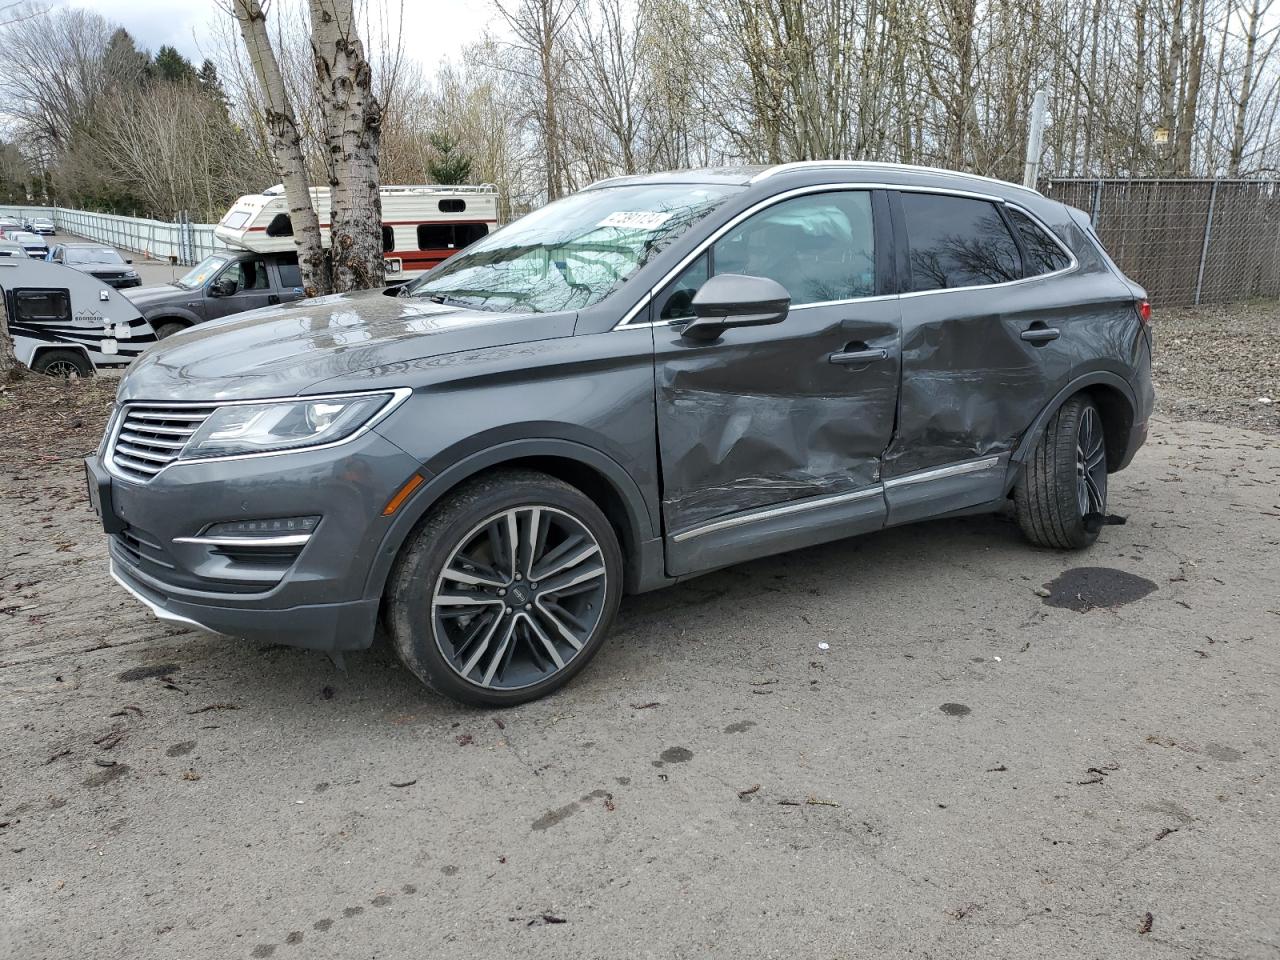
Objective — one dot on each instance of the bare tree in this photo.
(353, 120)
(286, 145)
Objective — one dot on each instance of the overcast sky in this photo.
(433, 29)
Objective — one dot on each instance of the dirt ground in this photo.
(999, 752)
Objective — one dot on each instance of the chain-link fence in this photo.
(1186, 241)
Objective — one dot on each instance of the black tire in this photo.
(509, 651)
(1062, 495)
(62, 363)
(169, 328)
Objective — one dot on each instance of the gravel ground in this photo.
(1220, 364)
(1001, 751)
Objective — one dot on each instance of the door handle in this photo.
(863, 354)
(1040, 334)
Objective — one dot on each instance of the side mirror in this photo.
(222, 288)
(128, 260)
(734, 300)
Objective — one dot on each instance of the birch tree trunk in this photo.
(286, 146)
(353, 129)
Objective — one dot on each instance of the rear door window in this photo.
(1043, 254)
(957, 242)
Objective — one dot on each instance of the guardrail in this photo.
(181, 242)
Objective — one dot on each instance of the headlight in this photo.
(284, 425)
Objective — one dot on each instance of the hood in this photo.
(104, 269)
(144, 297)
(282, 351)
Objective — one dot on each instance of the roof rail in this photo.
(863, 164)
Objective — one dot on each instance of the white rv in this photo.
(67, 323)
(421, 225)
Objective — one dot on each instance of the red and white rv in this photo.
(421, 225)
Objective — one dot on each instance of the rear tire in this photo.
(1065, 480)
(465, 609)
(62, 363)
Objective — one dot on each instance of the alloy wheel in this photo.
(1091, 464)
(519, 597)
(62, 368)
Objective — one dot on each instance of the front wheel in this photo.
(506, 591)
(1062, 494)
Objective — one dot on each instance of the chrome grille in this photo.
(150, 438)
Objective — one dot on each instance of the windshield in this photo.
(94, 255)
(201, 272)
(571, 253)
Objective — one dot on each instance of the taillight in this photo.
(1144, 311)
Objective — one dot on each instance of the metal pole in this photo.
(1097, 205)
(1035, 137)
(1204, 246)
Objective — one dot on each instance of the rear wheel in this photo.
(1062, 494)
(507, 590)
(62, 363)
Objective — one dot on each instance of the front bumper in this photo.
(317, 626)
(314, 595)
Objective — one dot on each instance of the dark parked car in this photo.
(227, 282)
(653, 378)
(98, 261)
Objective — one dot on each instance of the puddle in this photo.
(955, 710)
(1087, 588)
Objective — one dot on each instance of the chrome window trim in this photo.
(767, 513)
(698, 251)
(398, 396)
(940, 473)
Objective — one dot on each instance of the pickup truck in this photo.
(226, 282)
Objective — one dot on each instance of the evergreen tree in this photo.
(211, 84)
(124, 64)
(172, 66)
(449, 165)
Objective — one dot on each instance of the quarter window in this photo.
(957, 242)
(290, 274)
(820, 247)
(1043, 253)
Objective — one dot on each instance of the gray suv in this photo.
(650, 379)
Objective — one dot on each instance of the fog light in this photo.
(253, 529)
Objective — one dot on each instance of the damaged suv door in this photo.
(771, 438)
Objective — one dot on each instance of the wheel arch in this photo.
(169, 315)
(1116, 404)
(60, 346)
(598, 476)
